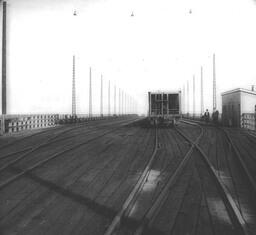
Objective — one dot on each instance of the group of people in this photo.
(215, 116)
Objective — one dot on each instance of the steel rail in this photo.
(251, 133)
(158, 203)
(130, 199)
(31, 135)
(15, 152)
(55, 155)
(48, 129)
(231, 206)
(241, 162)
(31, 150)
(238, 155)
(47, 142)
(58, 134)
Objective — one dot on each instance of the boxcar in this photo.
(164, 106)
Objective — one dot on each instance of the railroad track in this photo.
(53, 139)
(67, 190)
(110, 187)
(233, 173)
(50, 140)
(234, 213)
(50, 132)
(124, 215)
(49, 158)
(233, 210)
(41, 132)
(237, 150)
(203, 168)
(130, 199)
(152, 212)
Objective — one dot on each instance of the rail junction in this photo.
(100, 168)
(124, 176)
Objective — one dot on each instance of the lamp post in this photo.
(4, 60)
(90, 93)
(74, 81)
(109, 98)
(4, 108)
(101, 96)
(74, 87)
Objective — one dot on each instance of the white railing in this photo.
(15, 123)
(248, 121)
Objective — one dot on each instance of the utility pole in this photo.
(101, 96)
(187, 97)
(122, 102)
(74, 87)
(194, 96)
(90, 93)
(129, 104)
(109, 98)
(4, 60)
(214, 84)
(184, 99)
(74, 78)
(132, 105)
(119, 102)
(125, 104)
(202, 92)
(115, 100)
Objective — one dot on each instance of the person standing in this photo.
(215, 116)
(207, 115)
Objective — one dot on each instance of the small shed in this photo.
(239, 108)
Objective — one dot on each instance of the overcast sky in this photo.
(161, 47)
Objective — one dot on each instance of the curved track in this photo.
(89, 177)
(232, 171)
(203, 202)
(30, 162)
(129, 180)
(168, 160)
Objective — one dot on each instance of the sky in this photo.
(161, 47)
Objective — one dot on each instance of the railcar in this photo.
(164, 107)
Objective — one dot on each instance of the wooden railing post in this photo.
(2, 124)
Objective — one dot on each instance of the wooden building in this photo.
(239, 107)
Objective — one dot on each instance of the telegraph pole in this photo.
(90, 93)
(74, 81)
(101, 96)
(74, 87)
(4, 60)
(115, 100)
(129, 104)
(194, 96)
(125, 100)
(187, 97)
(109, 98)
(122, 102)
(202, 92)
(214, 84)
(119, 102)
(184, 99)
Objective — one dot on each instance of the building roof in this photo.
(165, 91)
(239, 90)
